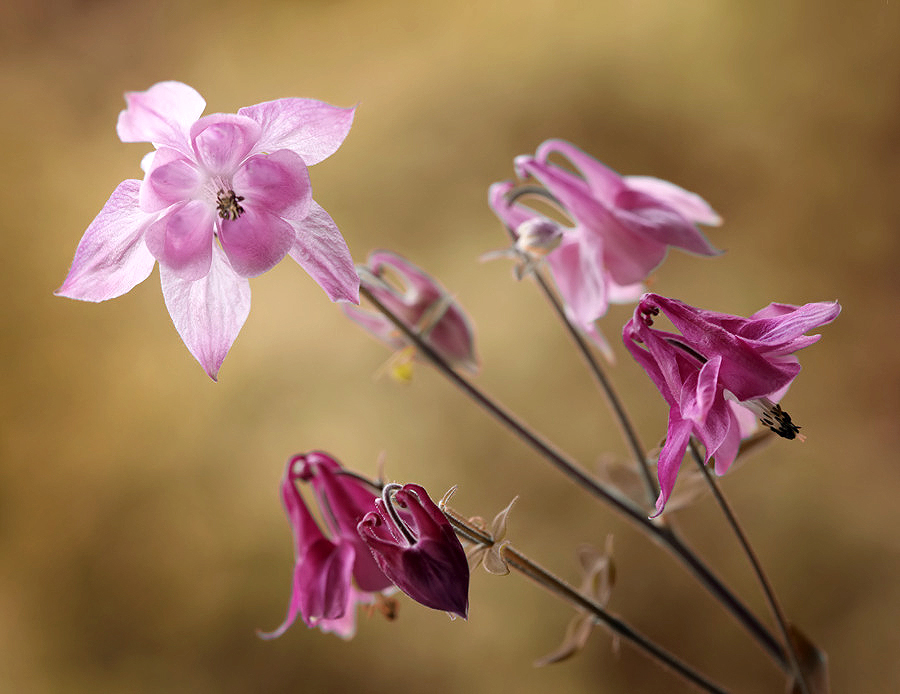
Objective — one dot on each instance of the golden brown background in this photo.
(141, 538)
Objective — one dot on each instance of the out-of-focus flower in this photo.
(718, 359)
(224, 198)
(622, 228)
(333, 571)
(420, 303)
(417, 548)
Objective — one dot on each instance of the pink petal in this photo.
(654, 220)
(182, 239)
(256, 241)
(277, 182)
(209, 312)
(577, 270)
(222, 141)
(162, 115)
(511, 215)
(322, 252)
(690, 205)
(671, 457)
(171, 178)
(312, 129)
(698, 394)
(603, 181)
(111, 257)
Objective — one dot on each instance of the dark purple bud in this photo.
(415, 546)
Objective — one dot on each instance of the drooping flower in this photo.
(714, 362)
(334, 570)
(622, 228)
(421, 303)
(224, 198)
(416, 547)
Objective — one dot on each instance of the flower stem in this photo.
(657, 531)
(612, 398)
(771, 599)
(518, 561)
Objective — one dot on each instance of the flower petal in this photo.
(182, 239)
(603, 181)
(671, 457)
(111, 257)
(656, 220)
(322, 252)
(312, 129)
(256, 241)
(221, 141)
(690, 205)
(162, 115)
(277, 182)
(171, 178)
(209, 312)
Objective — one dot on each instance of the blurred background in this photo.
(142, 542)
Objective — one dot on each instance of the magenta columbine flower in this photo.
(416, 547)
(421, 303)
(623, 227)
(712, 363)
(224, 198)
(334, 570)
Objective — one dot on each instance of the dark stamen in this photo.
(780, 422)
(228, 204)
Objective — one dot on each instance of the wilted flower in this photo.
(421, 303)
(622, 228)
(225, 197)
(718, 359)
(417, 548)
(334, 571)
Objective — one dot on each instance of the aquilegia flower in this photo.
(224, 198)
(417, 548)
(623, 227)
(334, 570)
(421, 303)
(718, 359)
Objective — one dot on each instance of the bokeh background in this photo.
(141, 538)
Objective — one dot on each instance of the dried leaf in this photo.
(577, 633)
(813, 664)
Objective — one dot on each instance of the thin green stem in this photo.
(771, 599)
(519, 562)
(659, 533)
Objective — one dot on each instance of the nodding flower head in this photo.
(334, 570)
(621, 228)
(415, 546)
(715, 363)
(422, 304)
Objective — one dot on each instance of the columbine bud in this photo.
(421, 303)
(415, 546)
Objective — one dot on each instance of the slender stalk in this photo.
(661, 534)
(519, 562)
(771, 599)
(612, 398)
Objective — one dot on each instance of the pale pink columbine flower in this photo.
(622, 228)
(224, 198)
(416, 547)
(715, 362)
(421, 303)
(334, 570)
